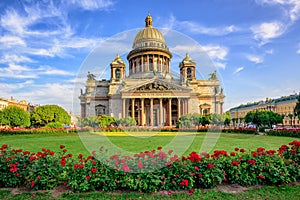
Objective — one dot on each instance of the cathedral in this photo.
(148, 92)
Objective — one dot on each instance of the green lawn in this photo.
(183, 143)
(274, 193)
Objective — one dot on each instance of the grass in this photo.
(270, 192)
(181, 143)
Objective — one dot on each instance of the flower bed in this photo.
(21, 131)
(288, 132)
(148, 171)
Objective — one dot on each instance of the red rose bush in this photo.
(148, 171)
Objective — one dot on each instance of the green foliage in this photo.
(105, 121)
(190, 120)
(127, 121)
(217, 119)
(43, 115)
(91, 121)
(263, 117)
(14, 116)
(55, 125)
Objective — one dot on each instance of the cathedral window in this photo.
(189, 73)
(118, 73)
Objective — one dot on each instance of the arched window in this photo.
(189, 73)
(118, 73)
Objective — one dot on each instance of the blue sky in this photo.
(44, 44)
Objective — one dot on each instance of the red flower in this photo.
(94, 170)
(80, 156)
(39, 177)
(185, 182)
(191, 191)
(94, 162)
(200, 175)
(81, 166)
(254, 154)
(159, 148)
(75, 166)
(170, 152)
(196, 168)
(236, 149)
(235, 163)
(232, 154)
(17, 175)
(62, 146)
(194, 157)
(261, 177)
(140, 165)
(125, 167)
(63, 162)
(210, 166)
(242, 150)
(251, 162)
(87, 177)
(32, 183)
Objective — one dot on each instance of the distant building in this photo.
(284, 105)
(150, 93)
(12, 102)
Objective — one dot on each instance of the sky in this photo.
(46, 46)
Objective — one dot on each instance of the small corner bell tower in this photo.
(117, 69)
(187, 69)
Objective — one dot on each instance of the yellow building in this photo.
(12, 102)
(284, 105)
(150, 94)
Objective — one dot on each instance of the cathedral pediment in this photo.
(157, 86)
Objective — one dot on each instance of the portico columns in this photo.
(170, 112)
(151, 112)
(179, 108)
(160, 112)
(123, 108)
(142, 113)
(132, 109)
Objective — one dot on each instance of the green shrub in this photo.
(55, 125)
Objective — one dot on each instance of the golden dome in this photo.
(149, 37)
(118, 60)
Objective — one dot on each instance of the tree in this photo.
(15, 117)
(105, 121)
(263, 117)
(91, 121)
(127, 121)
(217, 119)
(43, 115)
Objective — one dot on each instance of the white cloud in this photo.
(17, 71)
(12, 58)
(216, 51)
(238, 70)
(270, 51)
(196, 28)
(54, 93)
(254, 58)
(268, 30)
(292, 7)
(92, 4)
(47, 70)
(9, 41)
